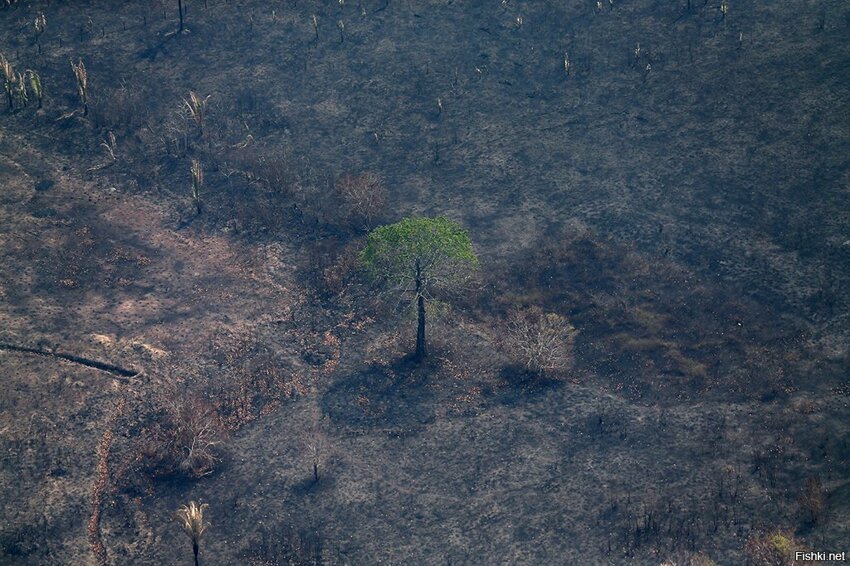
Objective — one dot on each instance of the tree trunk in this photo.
(180, 9)
(420, 307)
(195, 551)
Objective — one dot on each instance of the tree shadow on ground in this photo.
(308, 485)
(519, 385)
(383, 396)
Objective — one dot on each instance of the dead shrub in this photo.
(541, 341)
(182, 438)
(363, 198)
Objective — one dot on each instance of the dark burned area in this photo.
(649, 365)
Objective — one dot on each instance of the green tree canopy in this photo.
(416, 255)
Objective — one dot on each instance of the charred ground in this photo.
(679, 192)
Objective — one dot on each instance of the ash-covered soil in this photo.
(670, 176)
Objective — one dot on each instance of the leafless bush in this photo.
(541, 341)
(172, 132)
(363, 197)
(183, 438)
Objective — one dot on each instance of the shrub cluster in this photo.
(541, 341)
(182, 438)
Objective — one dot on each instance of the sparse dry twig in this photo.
(315, 445)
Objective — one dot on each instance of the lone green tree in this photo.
(416, 255)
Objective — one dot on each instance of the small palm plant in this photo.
(197, 183)
(82, 84)
(21, 91)
(197, 107)
(39, 25)
(9, 78)
(191, 518)
(111, 146)
(35, 86)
